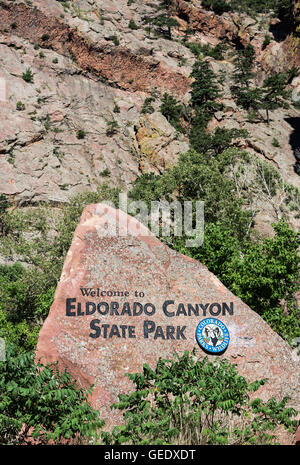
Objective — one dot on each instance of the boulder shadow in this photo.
(295, 141)
(280, 30)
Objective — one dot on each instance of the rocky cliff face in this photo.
(80, 119)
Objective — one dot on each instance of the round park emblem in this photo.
(212, 335)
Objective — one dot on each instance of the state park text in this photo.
(100, 328)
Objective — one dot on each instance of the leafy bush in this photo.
(132, 25)
(42, 403)
(147, 105)
(188, 401)
(27, 293)
(199, 50)
(200, 177)
(28, 75)
(112, 128)
(81, 134)
(268, 272)
(218, 6)
(23, 335)
(20, 106)
(281, 8)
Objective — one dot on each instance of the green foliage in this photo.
(81, 134)
(281, 8)
(275, 142)
(28, 75)
(15, 291)
(161, 22)
(4, 204)
(147, 105)
(200, 177)
(112, 128)
(201, 51)
(105, 173)
(204, 89)
(22, 334)
(274, 92)
(264, 274)
(268, 272)
(132, 25)
(172, 110)
(246, 95)
(115, 40)
(116, 109)
(216, 143)
(27, 293)
(218, 6)
(188, 401)
(40, 401)
(20, 106)
(266, 42)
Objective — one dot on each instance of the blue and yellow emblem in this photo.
(212, 335)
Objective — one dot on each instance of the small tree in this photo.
(112, 128)
(267, 273)
(205, 89)
(248, 97)
(171, 110)
(161, 22)
(274, 93)
(42, 403)
(28, 75)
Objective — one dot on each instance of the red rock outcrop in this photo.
(116, 66)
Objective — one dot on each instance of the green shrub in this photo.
(22, 334)
(81, 134)
(188, 401)
(266, 41)
(275, 142)
(147, 107)
(4, 204)
(132, 25)
(218, 6)
(199, 50)
(116, 109)
(172, 110)
(105, 173)
(40, 401)
(112, 128)
(20, 106)
(28, 75)
(115, 40)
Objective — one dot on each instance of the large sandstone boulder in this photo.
(128, 299)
